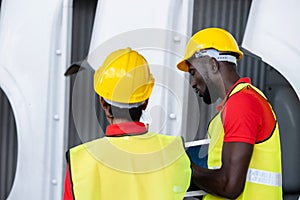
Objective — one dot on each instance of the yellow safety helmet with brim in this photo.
(210, 38)
(124, 77)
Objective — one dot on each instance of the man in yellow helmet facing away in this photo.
(129, 162)
(244, 159)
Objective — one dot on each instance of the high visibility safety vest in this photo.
(150, 166)
(264, 179)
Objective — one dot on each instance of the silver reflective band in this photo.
(124, 105)
(195, 193)
(264, 177)
(214, 167)
(216, 54)
(197, 143)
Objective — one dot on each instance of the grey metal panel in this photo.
(291, 197)
(83, 19)
(287, 108)
(8, 146)
(229, 14)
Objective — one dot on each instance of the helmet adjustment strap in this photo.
(216, 54)
(124, 105)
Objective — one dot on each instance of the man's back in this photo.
(148, 166)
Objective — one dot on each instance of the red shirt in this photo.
(247, 116)
(68, 194)
(126, 128)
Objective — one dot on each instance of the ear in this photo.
(103, 103)
(105, 107)
(214, 65)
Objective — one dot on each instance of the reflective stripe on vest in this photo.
(149, 166)
(264, 177)
(264, 173)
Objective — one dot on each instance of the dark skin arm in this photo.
(229, 180)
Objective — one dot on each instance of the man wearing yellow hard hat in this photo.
(244, 159)
(129, 162)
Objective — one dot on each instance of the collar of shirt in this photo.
(241, 80)
(126, 128)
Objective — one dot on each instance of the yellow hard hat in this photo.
(124, 77)
(210, 38)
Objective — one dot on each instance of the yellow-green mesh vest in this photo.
(264, 173)
(145, 167)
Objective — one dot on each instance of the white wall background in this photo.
(33, 57)
(273, 33)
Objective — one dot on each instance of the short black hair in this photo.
(230, 53)
(130, 114)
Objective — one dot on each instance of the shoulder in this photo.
(245, 100)
(82, 148)
(243, 106)
(169, 139)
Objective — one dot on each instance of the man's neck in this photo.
(118, 121)
(229, 79)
